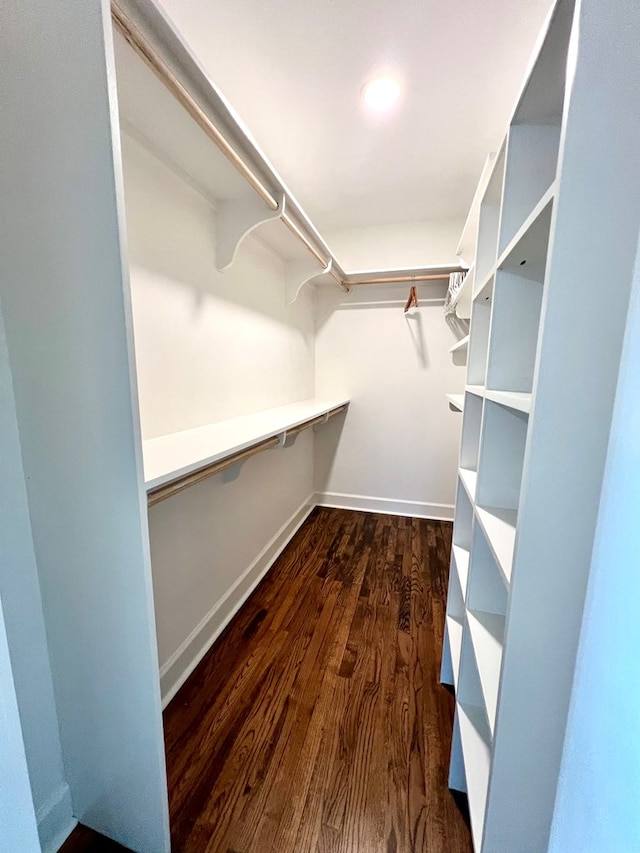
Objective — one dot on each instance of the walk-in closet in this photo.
(318, 427)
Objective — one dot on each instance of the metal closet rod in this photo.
(139, 43)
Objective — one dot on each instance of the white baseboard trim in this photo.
(184, 660)
(388, 506)
(55, 820)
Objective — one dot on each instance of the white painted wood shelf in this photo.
(461, 345)
(170, 457)
(499, 527)
(469, 479)
(459, 352)
(487, 634)
(478, 390)
(454, 627)
(456, 402)
(519, 400)
(476, 750)
(461, 559)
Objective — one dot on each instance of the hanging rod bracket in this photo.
(235, 220)
(300, 272)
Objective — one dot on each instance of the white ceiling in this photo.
(293, 70)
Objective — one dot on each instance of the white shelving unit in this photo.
(535, 427)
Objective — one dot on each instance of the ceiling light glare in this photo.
(381, 94)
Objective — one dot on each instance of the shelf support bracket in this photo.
(299, 273)
(235, 220)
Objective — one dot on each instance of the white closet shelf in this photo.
(526, 254)
(461, 558)
(469, 479)
(485, 286)
(476, 751)
(456, 402)
(487, 636)
(499, 527)
(519, 400)
(171, 457)
(512, 399)
(478, 390)
(461, 345)
(454, 627)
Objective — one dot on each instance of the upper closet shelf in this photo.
(168, 104)
(175, 456)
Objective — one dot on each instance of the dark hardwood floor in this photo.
(317, 724)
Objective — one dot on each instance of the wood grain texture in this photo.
(317, 724)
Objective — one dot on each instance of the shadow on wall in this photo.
(171, 231)
(416, 330)
(327, 439)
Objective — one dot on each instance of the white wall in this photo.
(397, 450)
(211, 543)
(25, 630)
(211, 346)
(599, 785)
(408, 244)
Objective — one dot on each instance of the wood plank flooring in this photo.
(317, 724)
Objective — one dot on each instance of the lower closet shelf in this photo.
(461, 557)
(454, 627)
(499, 526)
(476, 752)
(173, 462)
(487, 634)
(469, 479)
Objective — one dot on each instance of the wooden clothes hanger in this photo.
(412, 301)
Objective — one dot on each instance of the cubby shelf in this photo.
(460, 345)
(512, 399)
(487, 634)
(526, 254)
(454, 627)
(469, 479)
(499, 527)
(519, 400)
(483, 290)
(476, 749)
(461, 558)
(478, 390)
